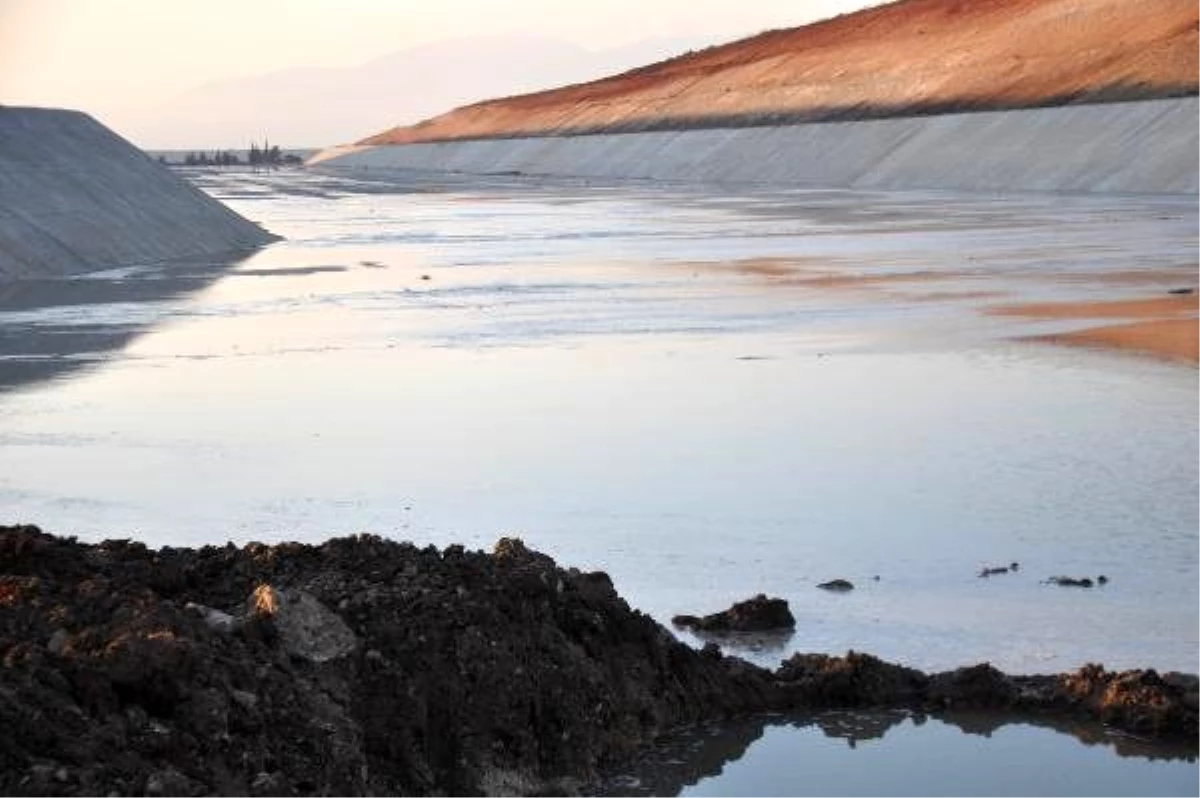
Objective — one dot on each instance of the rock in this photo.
(1068, 581)
(266, 784)
(216, 620)
(170, 781)
(1000, 569)
(758, 614)
(1139, 701)
(855, 680)
(977, 687)
(837, 585)
(306, 628)
(245, 699)
(57, 643)
(510, 548)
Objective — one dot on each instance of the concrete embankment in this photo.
(76, 197)
(1137, 147)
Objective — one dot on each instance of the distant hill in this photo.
(905, 58)
(316, 107)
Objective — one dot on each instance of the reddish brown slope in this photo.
(912, 56)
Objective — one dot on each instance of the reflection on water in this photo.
(53, 326)
(905, 753)
(770, 646)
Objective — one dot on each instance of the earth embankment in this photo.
(913, 57)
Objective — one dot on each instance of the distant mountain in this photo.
(317, 107)
(902, 58)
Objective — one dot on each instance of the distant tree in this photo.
(266, 155)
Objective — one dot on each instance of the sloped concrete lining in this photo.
(1138, 147)
(76, 197)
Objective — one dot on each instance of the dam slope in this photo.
(906, 58)
(1136, 147)
(990, 95)
(76, 197)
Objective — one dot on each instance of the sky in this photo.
(120, 58)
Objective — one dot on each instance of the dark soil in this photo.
(368, 666)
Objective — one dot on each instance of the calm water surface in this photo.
(707, 394)
(901, 753)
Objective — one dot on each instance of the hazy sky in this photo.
(110, 57)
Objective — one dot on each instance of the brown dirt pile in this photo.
(365, 666)
(904, 58)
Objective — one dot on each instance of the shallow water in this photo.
(697, 392)
(901, 753)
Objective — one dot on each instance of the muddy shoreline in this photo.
(369, 666)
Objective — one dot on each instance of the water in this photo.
(708, 394)
(901, 753)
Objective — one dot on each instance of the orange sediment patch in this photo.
(766, 267)
(1162, 326)
(816, 273)
(1170, 339)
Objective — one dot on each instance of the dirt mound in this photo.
(133, 670)
(904, 58)
(365, 666)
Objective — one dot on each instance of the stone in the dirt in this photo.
(759, 614)
(170, 781)
(57, 643)
(217, 621)
(306, 628)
